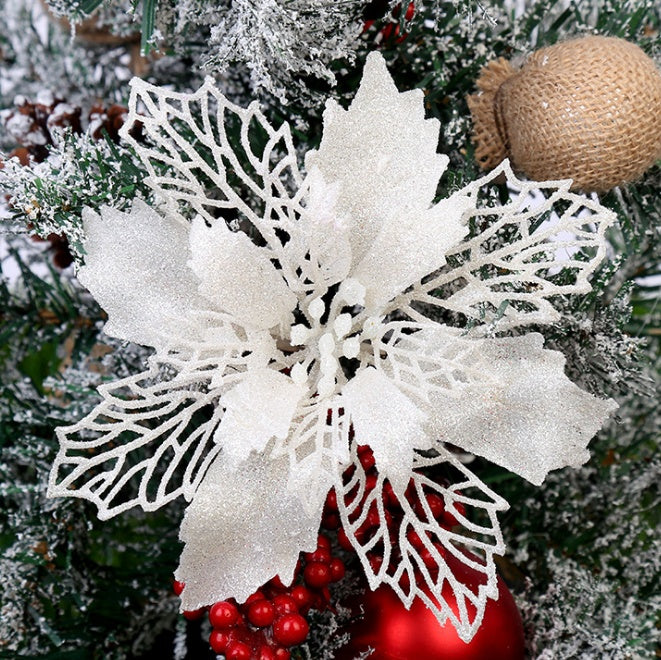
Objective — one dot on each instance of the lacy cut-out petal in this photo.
(422, 555)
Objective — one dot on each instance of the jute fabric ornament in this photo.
(588, 109)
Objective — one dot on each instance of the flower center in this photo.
(326, 342)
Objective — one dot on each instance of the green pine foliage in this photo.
(581, 547)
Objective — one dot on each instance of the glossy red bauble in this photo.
(400, 634)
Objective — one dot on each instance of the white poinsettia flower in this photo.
(297, 317)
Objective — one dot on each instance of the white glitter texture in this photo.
(312, 314)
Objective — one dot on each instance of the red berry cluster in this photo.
(391, 30)
(273, 618)
(393, 515)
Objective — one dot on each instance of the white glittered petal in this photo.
(149, 441)
(259, 408)
(200, 155)
(321, 247)
(528, 416)
(243, 528)
(408, 247)
(382, 151)
(135, 267)
(469, 544)
(425, 358)
(386, 420)
(237, 276)
(317, 448)
(503, 273)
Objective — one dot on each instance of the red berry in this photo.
(364, 450)
(428, 559)
(258, 595)
(389, 498)
(449, 520)
(336, 569)
(302, 596)
(323, 542)
(218, 640)
(266, 653)
(317, 575)
(435, 503)
(177, 587)
(373, 518)
(191, 615)
(410, 10)
(238, 651)
(290, 629)
(261, 613)
(370, 483)
(223, 614)
(322, 555)
(375, 561)
(366, 457)
(343, 540)
(277, 583)
(330, 521)
(364, 532)
(285, 604)
(331, 500)
(282, 654)
(414, 539)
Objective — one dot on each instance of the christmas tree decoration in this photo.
(586, 109)
(272, 619)
(393, 632)
(383, 624)
(297, 316)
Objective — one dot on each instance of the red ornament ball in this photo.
(400, 634)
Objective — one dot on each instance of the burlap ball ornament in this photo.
(588, 109)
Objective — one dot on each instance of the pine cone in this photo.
(33, 124)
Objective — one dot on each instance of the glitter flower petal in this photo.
(122, 250)
(237, 277)
(388, 165)
(524, 413)
(244, 518)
